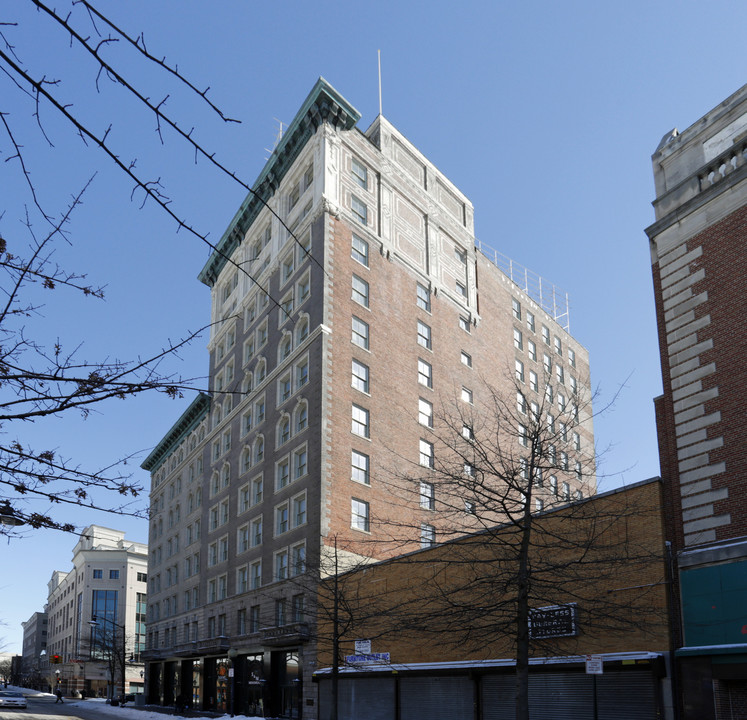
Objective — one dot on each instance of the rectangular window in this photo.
(303, 288)
(360, 173)
(282, 474)
(426, 454)
(302, 373)
(559, 374)
(360, 291)
(281, 519)
(424, 335)
(241, 616)
(574, 385)
(533, 381)
(281, 565)
(360, 467)
(466, 359)
(98, 574)
(256, 574)
(298, 558)
(576, 441)
(256, 532)
(545, 335)
(572, 357)
(360, 424)
(518, 339)
(460, 255)
(461, 289)
(360, 376)
(519, 371)
(427, 496)
(280, 610)
(425, 373)
(516, 308)
(359, 250)
(242, 539)
(425, 413)
(464, 324)
(284, 388)
(530, 321)
(558, 345)
(547, 363)
(113, 574)
(360, 516)
(532, 350)
(523, 437)
(360, 210)
(467, 395)
(257, 486)
(254, 619)
(300, 463)
(298, 608)
(521, 403)
(299, 510)
(424, 298)
(427, 535)
(360, 333)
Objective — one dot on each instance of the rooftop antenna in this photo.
(379, 51)
(278, 136)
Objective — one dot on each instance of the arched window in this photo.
(190, 503)
(259, 449)
(286, 345)
(216, 415)
(198, 497)
(225, 475)
(227, 406)
(302, 330)
(302, 416)
(246, 459)
(248, 384)
(261, 371)
(283, 430)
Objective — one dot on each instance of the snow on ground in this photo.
(128, 712)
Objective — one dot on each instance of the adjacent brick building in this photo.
(699, 264)
(441, 624)
(350, 301)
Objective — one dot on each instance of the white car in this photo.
(11, 698)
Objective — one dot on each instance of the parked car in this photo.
(11, 698)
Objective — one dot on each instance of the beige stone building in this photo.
(96, 616)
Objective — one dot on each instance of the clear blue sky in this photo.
(544, 114)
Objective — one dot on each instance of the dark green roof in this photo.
(190, 418)
(323, 104)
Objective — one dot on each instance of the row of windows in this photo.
(247, 621)
(557, 343)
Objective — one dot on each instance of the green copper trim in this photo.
(190, 418)
(323, 104)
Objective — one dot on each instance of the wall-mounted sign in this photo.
(553, 621)
(362, 647)
(369, 659)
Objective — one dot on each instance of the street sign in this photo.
(594, 665)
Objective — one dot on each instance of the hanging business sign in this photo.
(368, 659)
(553, 621)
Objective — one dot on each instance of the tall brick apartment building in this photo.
(350, 301)
(699, 266)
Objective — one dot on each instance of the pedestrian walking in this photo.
(58, 692)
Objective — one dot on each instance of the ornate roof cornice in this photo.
(323, 104)
(190, 418)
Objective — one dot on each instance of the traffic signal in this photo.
(56, 659)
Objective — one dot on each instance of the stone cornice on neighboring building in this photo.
(323, 104)
(191, 417)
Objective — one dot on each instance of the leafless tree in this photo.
(42, 378)
(501, 506)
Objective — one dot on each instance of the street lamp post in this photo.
(232, 654)
(94, 623)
